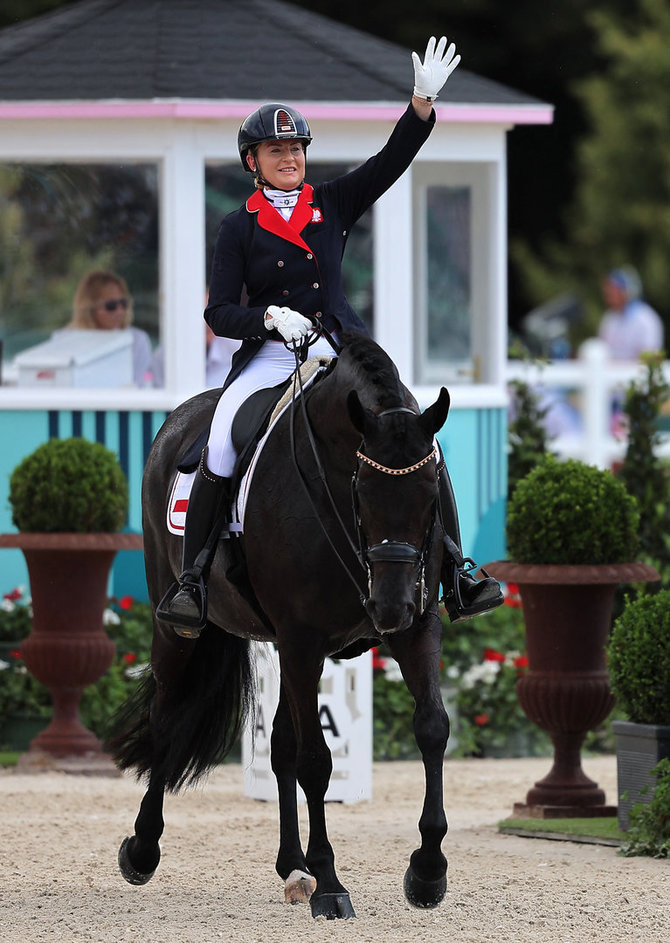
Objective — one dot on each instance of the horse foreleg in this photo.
(291, 865)
(425, 882)
(314, 764)
(140, 853)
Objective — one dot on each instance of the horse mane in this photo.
(373, 373)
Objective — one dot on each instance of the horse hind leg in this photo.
(140, 853)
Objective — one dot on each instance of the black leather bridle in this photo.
(387, 551)
(394, 551)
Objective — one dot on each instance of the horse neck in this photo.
(329, 417)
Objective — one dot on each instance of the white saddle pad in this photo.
(181, 489)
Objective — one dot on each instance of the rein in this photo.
(388, 551)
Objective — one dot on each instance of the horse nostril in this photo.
(390, 618)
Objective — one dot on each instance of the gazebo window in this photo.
(59, 221)
(452, 259)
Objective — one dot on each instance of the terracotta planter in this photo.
(68, 648)
(567, 613)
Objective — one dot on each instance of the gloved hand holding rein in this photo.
(290, 324)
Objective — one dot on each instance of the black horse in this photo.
(343, 543)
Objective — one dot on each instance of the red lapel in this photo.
(272, 221)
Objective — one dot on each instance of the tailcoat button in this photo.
(280, 264)
(285, 292)
(309, 255)
(315, 285)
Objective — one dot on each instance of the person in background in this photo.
(629, 326)
(102, 302)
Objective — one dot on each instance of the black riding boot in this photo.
(186, 609)
(464, 596)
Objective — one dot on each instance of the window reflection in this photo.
(57, 223)
(448, 215)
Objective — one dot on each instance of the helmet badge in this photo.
(284, 123)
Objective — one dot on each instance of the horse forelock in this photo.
(371, 372)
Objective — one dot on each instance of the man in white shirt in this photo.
(630, 326)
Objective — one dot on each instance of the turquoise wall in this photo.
(473, 442)
(127, 433)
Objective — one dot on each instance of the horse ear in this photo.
(356, 412)
(434, 417)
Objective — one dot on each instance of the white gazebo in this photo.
(167, 84)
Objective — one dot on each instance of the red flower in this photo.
(512, 597)
(15, 653)
(129, 658)
(14, 595)
(521, 661)
(490, 654)
(378, 663)
(481, 719)
(126, 602)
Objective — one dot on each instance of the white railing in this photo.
(586, 386)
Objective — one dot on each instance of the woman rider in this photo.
(284, 246)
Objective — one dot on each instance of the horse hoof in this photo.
(131, 874)
(299, 887)
(420, 893)
(332, 906)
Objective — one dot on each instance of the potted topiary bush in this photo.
(572, 538)
(639, 666)
(69, 501)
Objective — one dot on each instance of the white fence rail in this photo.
(579, 394)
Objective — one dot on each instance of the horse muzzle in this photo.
(391, 602)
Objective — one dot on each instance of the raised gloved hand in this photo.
(290, 324)
(437, 66)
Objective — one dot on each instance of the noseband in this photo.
(394, 551)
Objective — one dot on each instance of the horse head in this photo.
(395, 496)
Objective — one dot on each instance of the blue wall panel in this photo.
(473, 441)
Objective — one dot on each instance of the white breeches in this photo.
(272, 364)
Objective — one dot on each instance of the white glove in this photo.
(291, 325)
(437, 66)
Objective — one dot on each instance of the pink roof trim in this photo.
(217, 110)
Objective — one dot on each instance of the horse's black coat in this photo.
(309, 582)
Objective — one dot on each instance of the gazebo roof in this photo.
(139, 50)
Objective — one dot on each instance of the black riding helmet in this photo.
(271, 122)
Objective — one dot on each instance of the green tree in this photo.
(621, 210)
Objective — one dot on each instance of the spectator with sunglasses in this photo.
(102, 302)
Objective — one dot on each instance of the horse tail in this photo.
(177, 738)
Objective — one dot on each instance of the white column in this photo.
(394, 301)
(182, 257)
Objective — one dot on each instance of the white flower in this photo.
(452, 672)
(484, 673)
(109, 617)
(8, 605)
(3, 665)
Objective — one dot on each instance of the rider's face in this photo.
(281, 163)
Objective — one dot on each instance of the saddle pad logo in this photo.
(178, 503)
